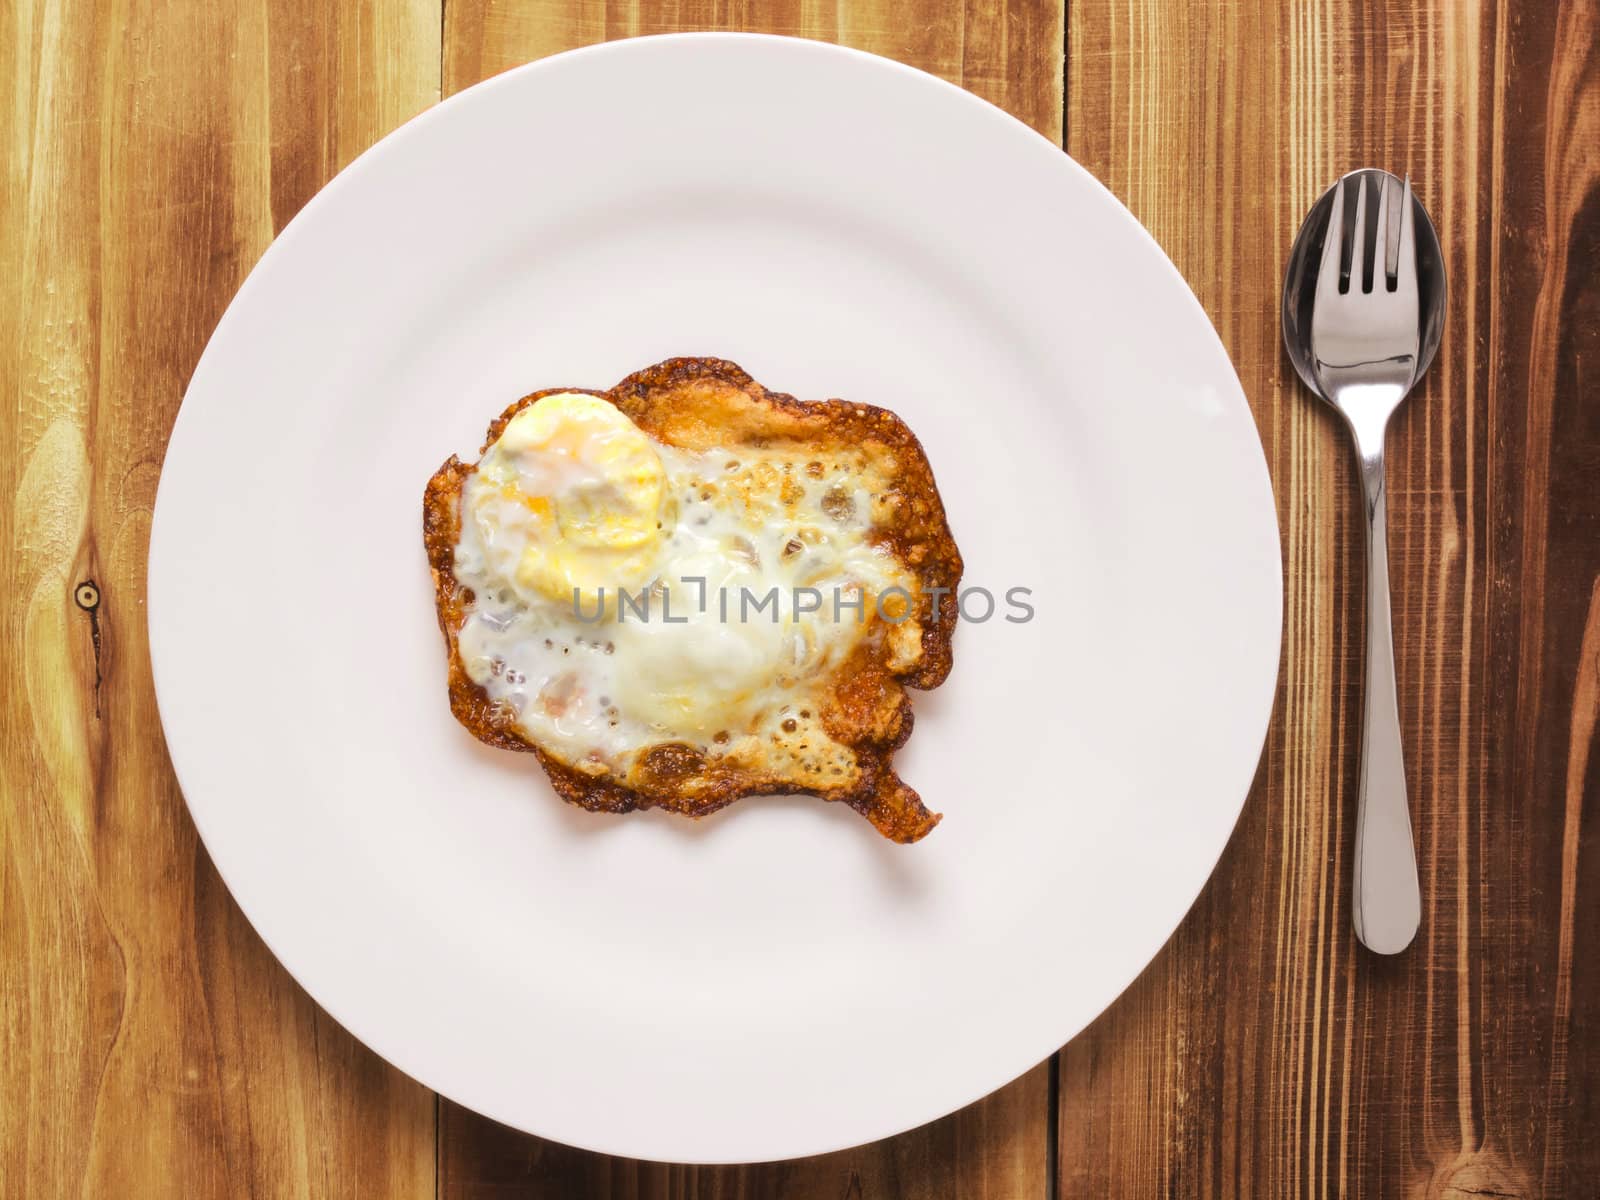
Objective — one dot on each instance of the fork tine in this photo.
(1383, 257)
(1358, 240)
(1405, 274)
(1328, 273)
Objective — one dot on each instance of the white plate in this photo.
(776, 980)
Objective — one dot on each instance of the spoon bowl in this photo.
(1305, 259)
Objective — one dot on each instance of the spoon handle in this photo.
(1386, 903)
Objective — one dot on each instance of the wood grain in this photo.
(150, 1044)
(1009, 53)
(1263, 1053)
(995, 1148)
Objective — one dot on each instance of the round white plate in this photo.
(777, 979)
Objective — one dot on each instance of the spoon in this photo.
(1363, 313)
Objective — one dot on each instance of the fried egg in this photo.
(689, 589)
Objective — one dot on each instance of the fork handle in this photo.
(1386, 903)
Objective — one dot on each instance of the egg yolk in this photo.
(578, 487)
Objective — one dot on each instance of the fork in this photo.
(1365, 342)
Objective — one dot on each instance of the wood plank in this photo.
(1264, 1053)
(1007, 51)
(1010, 53)
(147, 1035)
(151, 1044)
(995, 1148)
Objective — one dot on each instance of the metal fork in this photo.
(1365, 342)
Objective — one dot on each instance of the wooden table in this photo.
(150, 1045)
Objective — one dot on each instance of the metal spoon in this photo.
(1363, 311)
